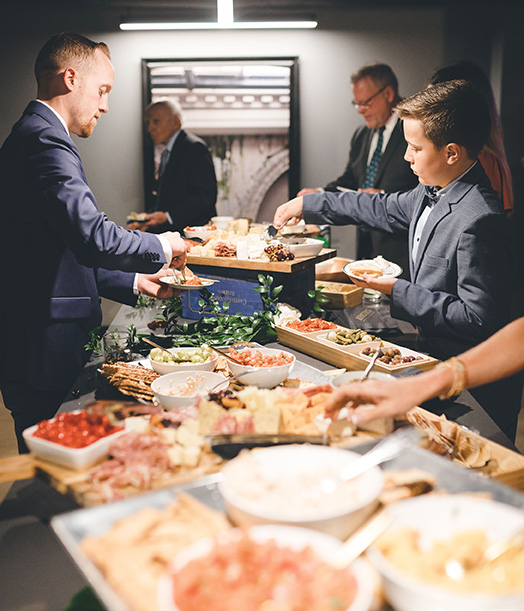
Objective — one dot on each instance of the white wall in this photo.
(410, 41)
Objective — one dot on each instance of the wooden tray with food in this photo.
(340, 294)
(469, 449)
(349, 348)
(285, 267)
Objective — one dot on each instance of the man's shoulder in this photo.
(362, 131)
(191, 138)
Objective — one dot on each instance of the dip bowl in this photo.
(282, 485)
(437, 518)
(181, 388)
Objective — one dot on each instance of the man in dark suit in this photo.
(54, 239)
(186, 186)
(376, 157)
(460, 258)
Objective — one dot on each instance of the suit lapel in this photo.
(412, 225)
(363, 161)
(442, 209)
(393, 142)
(171, 162)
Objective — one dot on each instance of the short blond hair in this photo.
(61, 50)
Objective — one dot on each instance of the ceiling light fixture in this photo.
(225, 21)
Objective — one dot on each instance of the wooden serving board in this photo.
(508, 466)
(342, 356)
(284, 267)
(76, 483)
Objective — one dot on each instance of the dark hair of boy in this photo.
(453, 111)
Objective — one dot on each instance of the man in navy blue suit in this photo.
(67, 250)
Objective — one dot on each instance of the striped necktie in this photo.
(371, 170)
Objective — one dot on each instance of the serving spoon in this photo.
(155, 345)
(368, 369)
(456, 569)
(385, 450)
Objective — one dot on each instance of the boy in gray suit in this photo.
(459, 239)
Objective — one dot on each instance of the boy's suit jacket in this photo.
(460, 282)
(62, 252)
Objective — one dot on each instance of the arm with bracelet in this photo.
(498, 357)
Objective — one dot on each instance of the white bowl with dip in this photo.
(438, 518)
(281, 485)
(181, 388)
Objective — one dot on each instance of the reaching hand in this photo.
(383, 397)
(150, 284)
(178, 249)
(291, 210)
(308, 190)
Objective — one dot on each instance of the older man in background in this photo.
(376, 157)
(185, 188)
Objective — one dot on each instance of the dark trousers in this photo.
(29, 406)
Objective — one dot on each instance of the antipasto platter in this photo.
(328, 344)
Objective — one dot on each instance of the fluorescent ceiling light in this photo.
(225, 21)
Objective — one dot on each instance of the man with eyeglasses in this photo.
(376, 157)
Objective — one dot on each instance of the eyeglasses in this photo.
(367, 102)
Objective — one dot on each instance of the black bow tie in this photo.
(432, 195)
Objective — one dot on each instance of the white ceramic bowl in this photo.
(221, 222)
(324, 546)
(164, 368)
(203, 232)
(352, 376)
(171, 390)
(302, 247)
(72, 458)
(280, 485)
(436, 518)
(263, 377)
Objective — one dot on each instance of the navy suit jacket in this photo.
(393, 174)
(459, 290)
(61, 249)
(188, 187)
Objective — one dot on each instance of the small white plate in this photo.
(187, 287)
(389, 269)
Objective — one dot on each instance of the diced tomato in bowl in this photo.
(74, 439)
(262, 367)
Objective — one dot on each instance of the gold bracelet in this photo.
(460, 377)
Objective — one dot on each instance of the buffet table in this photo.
(37, 573)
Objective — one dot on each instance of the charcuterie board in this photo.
(316, 344)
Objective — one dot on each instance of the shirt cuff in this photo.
(135, 286)
(167, 251)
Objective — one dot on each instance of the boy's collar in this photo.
(445, 189)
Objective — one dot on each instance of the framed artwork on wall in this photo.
(246, 109)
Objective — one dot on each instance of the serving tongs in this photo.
(271, 231)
